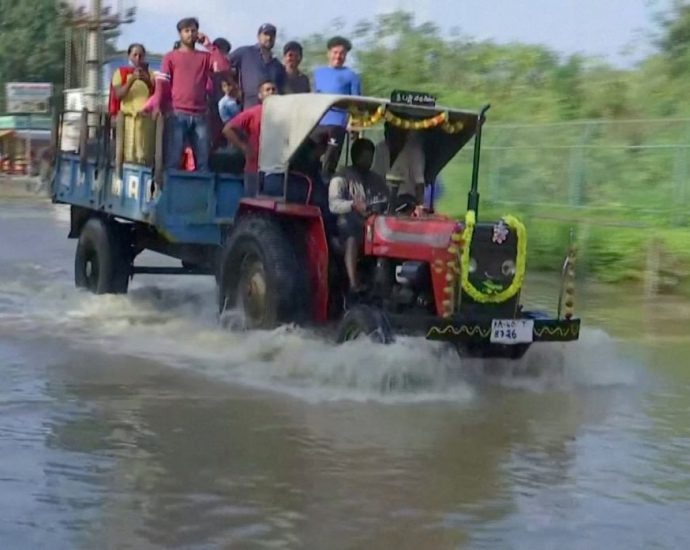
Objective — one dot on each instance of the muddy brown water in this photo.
(135, 422)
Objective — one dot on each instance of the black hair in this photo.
(293, 47)
(339, 41)
(136, 45)
(187, 22)
(360, 145)
(264, 81)
(176, 45)
(222, 44)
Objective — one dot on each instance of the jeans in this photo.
(193, 128)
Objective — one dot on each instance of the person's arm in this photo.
(337, 204)
(355, 85)
(120, 88)
(231, 135)
(239, 122)
(315, 81)
(162, 93)
(218, 62)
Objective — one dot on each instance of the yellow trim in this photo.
(520, 262)
(470, 331)
(364, 120)
(573, 330)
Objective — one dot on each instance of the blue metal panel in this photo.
(191, 207)
(130, 197)
(229, 192)
(74, 186)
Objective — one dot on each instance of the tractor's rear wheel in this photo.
(260, 275)
(365, 321)
(102, 263)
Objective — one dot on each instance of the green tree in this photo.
(35, 31)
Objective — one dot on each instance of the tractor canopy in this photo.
(288, 121)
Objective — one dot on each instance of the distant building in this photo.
(23, 139)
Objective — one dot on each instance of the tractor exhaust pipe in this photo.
(473, 195)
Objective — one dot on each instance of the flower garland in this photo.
(365, 120)
(520, 262)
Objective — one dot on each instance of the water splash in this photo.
(178, 325)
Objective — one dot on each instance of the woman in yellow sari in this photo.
(131, 86)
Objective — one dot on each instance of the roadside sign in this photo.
(28, 97)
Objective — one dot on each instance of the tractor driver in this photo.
(350, 194)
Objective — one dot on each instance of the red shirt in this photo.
(249, 120)
(189, 73)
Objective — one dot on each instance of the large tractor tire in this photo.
(260, 274)
(365, 321)
(102, 263)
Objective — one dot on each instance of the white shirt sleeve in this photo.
(337, 190)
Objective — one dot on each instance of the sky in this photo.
(603, 28)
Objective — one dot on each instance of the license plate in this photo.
(511, 331)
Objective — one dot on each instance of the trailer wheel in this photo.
(260, 274)
(103, 259)
(366, 321)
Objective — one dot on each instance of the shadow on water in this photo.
(173, 459)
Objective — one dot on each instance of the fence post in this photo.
(680, 180)
(577, 170)
(652, 268)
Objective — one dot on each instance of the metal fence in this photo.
(613, 169)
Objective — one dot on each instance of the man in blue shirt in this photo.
(256, 64)
(336, 78)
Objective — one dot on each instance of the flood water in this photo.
(135, 422)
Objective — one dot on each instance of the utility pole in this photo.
(95, 21)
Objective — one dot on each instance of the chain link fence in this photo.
(624, 169)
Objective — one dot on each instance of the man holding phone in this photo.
(187, 73)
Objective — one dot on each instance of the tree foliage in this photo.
(33, 34)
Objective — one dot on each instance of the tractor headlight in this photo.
(508, 268)
(472, 265)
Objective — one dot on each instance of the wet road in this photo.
(135, 422)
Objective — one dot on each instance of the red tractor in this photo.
(425, 274)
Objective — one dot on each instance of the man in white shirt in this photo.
(350, 193)
(407, 168)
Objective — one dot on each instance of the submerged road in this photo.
(136, 422)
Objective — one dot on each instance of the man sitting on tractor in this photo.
(350, 195)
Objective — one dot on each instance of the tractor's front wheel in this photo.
(365, 321)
